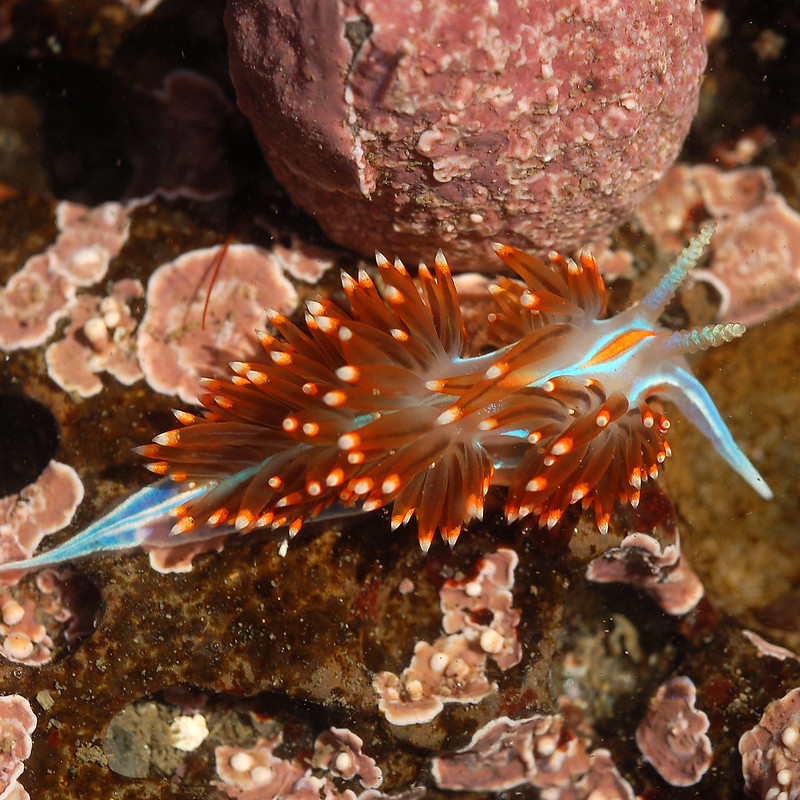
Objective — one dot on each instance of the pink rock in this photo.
(408, 127)
(672, 735)
(771, 751)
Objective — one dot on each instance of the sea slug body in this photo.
(379, 405)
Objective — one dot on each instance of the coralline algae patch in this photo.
(549, 752)
(480, 622)
(756, 248)
(41, 508)
(771, 751)
(43, 615)
(17, 723)
(99, 338)
(417, 126)
(175, 348)
(672, 735)
(256, 773)
(38, 295)
(663, 573)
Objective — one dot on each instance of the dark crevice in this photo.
(29, 439)
(356, 31)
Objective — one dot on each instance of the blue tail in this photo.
(144, 517)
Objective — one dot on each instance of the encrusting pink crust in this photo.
(771, 751)
(41, 508)
(756, 248)
(672, 734)
(175, 348)
(17, 723)
(480, 622)
(664, 573)
(411, 126)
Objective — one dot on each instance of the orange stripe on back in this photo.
(618, 346)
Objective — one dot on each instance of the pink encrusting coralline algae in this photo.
(175, 347)
(411, 126)
(17, 723)
(756, 249)
(192, 327)
(672, 734)
(42, 508)
(257, 773)
(768, 649)
(453, 668)
(661, 572)
(99, 338)
(37, 618)
(339, 750)
(545, 751)
(41, 293)
(506, 753)
(771, 751)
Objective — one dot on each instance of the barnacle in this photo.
(379, 404)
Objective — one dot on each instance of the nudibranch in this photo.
(379, 404)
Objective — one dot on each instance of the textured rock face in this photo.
(412, 126)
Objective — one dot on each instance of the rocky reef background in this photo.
(103, 103)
